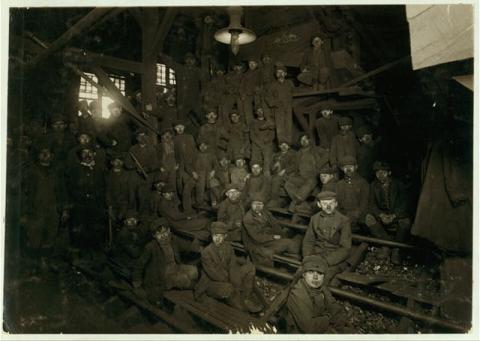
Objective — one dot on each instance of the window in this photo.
(89, 92)
(165, 76)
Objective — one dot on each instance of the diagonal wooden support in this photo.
(118, 97)
(376, 71)
(72, 32)
(136, 12)
(301, 119)
(163, 29)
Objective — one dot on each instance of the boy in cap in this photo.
(318, 62)
(251, 88)
(221, 179)
(262, 135)
(279, 99)
(159, 267)
(327, 127)
(328, 234)
(388, 207)
(328, 179)
(233, 82)
(166, 156)
(311, 308)
(258, 184)
(262, 235)
(117, 135)
(239, 172)
(86, 189)
(128, 244)
(224, 275)
(367, 152)
(120, 189)
(231, 212)
(61, 141)
(213, 133)
(238, 141)
(352, 191)
(214, 93)
(142, 161)
(185, 150)
(45, 205)
(284, 166)
(344, 143)
(168, 208)
(204, 171)
(267, 69)
(300, 185)
(83, 122)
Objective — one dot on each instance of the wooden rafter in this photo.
(163, 28)
(136, 12)
(79, 27)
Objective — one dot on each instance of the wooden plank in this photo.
(298, 112)
(81, 56)
(164, 316)
(164, 28)
(71, 33)
(356, 278)
(376, 71)
(136, 12)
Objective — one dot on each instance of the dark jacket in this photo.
(329, 236)
(353, 196)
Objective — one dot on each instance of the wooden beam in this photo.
(72, 32)
(367, 103)
(376, 71)
(163, 29)
(298, 112)
(136, 12)
(106, 18)
(149, 57)
(81, 56)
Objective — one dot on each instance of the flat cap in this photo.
(232, 187)
(159, 222)
(326, 195)
(280, 66)
(315, 263)
(348, 160)
(381, 165)
(130, 213)
(218, 227)
(364, 130)
(327, 169)
(257, 197)
(345, 120)
(168, 188)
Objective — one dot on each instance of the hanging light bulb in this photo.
(235, 34)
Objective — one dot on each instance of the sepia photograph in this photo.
(239, 168)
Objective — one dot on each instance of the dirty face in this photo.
(87, 155)
(189, 61)
(84, 139)
(167, 136)
(170, 100)
(314, 279)
(168, 195)
(252, 65)
(117, 163)
(305, 141)
(219, 73)
(237, 68)
(203, 147)
(325, 178)
(328, 206)
(256, 169)
(45, 156)
(233, 194)
(327, 113)
(366, 139)
(162, 234)
(211, 117)
(224, 162)
(131, 222)
(235, 117)
(179, 129)
(59, 125)
(219, 238)
(349, 170)
(345, 128)
(284, 147)
(260, 113)
(317, 42)
(142, 138)
(159, 185)
(383, 175)
(257, 206)
(280, 74)
(266, 59)
(239, 163)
